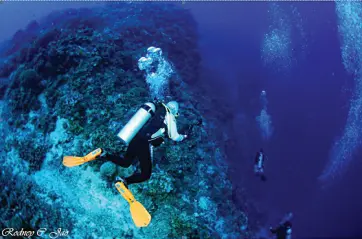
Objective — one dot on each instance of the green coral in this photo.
(91, 80)
(75, 127)
(160, 185)
(24, 89)
(108, 169)
(29, 79)
(21, 196)
(33, 153)
(181, 227)
(108, 141)
(52, 93)
(30, 147)
(137, 92)
(134, 96)
(16, 222)
(188, 226)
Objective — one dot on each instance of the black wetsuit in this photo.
(258, 154)
(259, 167)
(139, 147)
(282, 232)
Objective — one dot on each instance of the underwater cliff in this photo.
(68, 83)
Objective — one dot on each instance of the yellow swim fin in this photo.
(140, 215)
(71, 161)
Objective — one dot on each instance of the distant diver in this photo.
(284, 229)
(259, 164)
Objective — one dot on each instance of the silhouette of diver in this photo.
(284, 229)
(259, 164)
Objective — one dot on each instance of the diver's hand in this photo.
(184, 136)
(272, 230)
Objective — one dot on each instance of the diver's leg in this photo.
(144, 156)
(128, 158)
(256, 170)
(262, 175)
(119, 160)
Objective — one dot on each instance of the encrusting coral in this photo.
(75, 82)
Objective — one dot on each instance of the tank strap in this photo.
(148, 109)
(168, 123)
(166, 107)
(158, 133)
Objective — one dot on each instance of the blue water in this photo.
(308, 103)
(309, 106)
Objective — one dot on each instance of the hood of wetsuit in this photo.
(174, 107)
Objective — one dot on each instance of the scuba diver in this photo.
(146, 130)
(148, 127)
(284, 230)
(259, 164)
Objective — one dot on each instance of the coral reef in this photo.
(74, 83)
(108, 169)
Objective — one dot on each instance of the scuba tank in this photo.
(138, 120)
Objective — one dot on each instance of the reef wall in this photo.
(72, 82)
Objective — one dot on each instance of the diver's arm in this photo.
(272, 230)
(257, 157)
(172, 128)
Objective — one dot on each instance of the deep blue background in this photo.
(308, 105)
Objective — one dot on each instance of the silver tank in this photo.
(138, 120)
